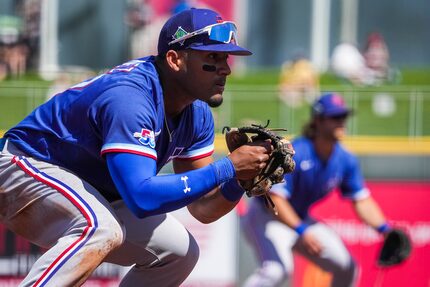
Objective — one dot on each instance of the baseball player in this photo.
(78, 176)
(322, 164)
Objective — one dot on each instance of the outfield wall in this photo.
(391, 158)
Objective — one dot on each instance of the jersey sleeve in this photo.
(146, 194)
(203, 143)
(352, 185)
(125, 119)
(283, 189)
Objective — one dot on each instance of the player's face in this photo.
(207, 75)
(333, 128)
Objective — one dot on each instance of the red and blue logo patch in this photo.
(146, 137)
(337, 100)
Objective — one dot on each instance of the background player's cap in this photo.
(199, 29)
(330, 105)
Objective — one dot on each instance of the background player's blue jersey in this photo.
(119, 111)
(313, 178)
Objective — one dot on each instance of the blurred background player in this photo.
(78, 176)
(322, 165)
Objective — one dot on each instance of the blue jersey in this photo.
(313, 179)
(119, 111)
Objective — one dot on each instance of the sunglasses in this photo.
(338, 118)
(222, 32)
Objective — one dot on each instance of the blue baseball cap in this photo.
(330, 105)
(199, 29)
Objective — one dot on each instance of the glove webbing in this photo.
(262, 133)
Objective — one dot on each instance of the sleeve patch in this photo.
(146, 137)
(129, 148)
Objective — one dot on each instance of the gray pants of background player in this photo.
(274, 244)
(54, 209)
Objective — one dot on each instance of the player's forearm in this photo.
(286, 213)
(217, 203)
(369, 212)
(146, 194)
(211, 206)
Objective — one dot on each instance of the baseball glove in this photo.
(396, 248)
(280, 160)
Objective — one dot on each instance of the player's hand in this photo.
(250, 159)
(311, 243)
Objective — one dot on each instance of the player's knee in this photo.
(273, 272)
(116, 237)
(111, 233)
(182, 259)
(347, 270)
(190, 258)
(345, 275)
(348, 267)
(351, 268)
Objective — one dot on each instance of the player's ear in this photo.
(175, 60)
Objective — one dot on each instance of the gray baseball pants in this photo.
(53, 208)
(274, 243)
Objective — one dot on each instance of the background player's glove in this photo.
(280, 161)
(395, 249)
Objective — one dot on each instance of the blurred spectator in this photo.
(368, 68)
(139, 17)
(30, 11)
(138, 14)
(3, 69)
(348, 63)
(298, 81)
(13, 49)
(15, 56)
(377, 57)
(145, 23)
(19, 39)
(10, 29)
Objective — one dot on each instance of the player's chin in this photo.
(215, 101)
(339, 133)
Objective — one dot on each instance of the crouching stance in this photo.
(79, 175)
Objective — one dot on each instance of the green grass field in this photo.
(254, 99)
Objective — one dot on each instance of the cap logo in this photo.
(178, 34)
(337, 100)
(318, 108)
(219, 19)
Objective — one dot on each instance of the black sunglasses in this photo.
(338, 117)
